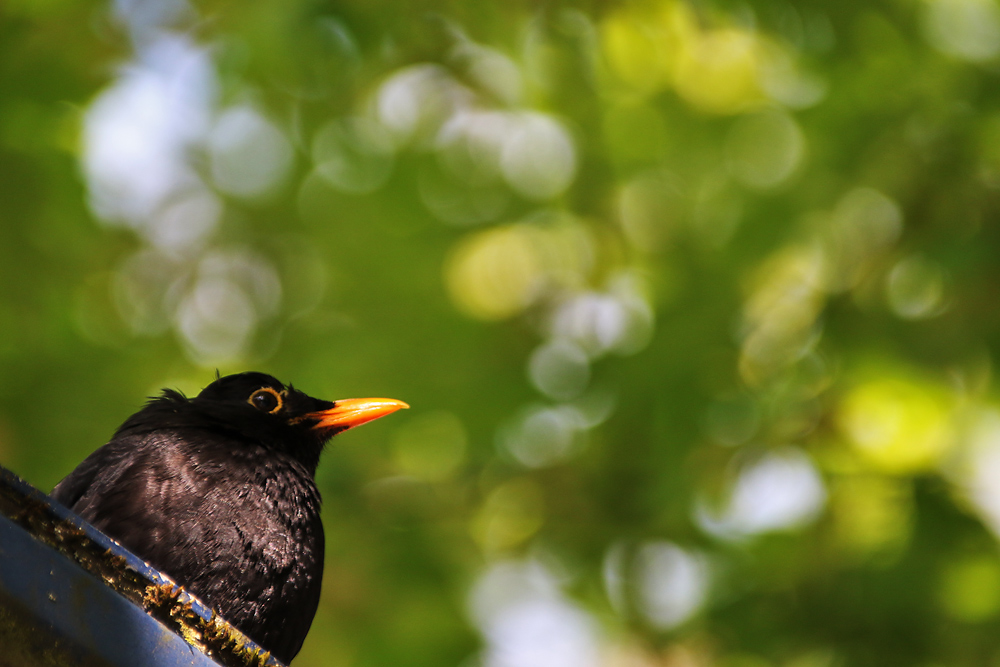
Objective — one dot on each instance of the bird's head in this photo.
(261, 409)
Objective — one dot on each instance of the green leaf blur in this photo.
(693, 302)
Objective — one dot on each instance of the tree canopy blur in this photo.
(693, 302)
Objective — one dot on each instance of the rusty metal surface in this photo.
(70, 595)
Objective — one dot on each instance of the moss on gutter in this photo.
(157, 594)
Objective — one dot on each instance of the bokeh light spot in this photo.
(138, 132)
(780, 313)
(559, 369)
(620, 320)
(970, 589)
(185, 222)
(413, 102)
(495, 274)
(511, 513)
(538, 158)
(872, 514)
(249, 155)
(781, 491)
(899, 426)
(915, 288)
(637, 49)
(527, 622)
(865, 223)
(231, 292)
(764, 148)
(783, 80)
(966, 29)
(354, 155)
(492, 71)
(718, 71)
(978, 467)
(543, 436)
(216, 320)
(650, 209)
(672, 583)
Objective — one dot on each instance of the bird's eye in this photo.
(266, 400)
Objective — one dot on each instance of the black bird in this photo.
(218, 492)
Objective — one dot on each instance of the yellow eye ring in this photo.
(266, 400)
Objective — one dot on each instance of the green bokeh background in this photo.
(744, 237)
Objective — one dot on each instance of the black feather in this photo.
(221, 497)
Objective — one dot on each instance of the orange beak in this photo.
(352, 412)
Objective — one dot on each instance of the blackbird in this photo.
(218, 492)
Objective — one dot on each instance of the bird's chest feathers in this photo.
(264, 511)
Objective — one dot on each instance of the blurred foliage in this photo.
(694, 302)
